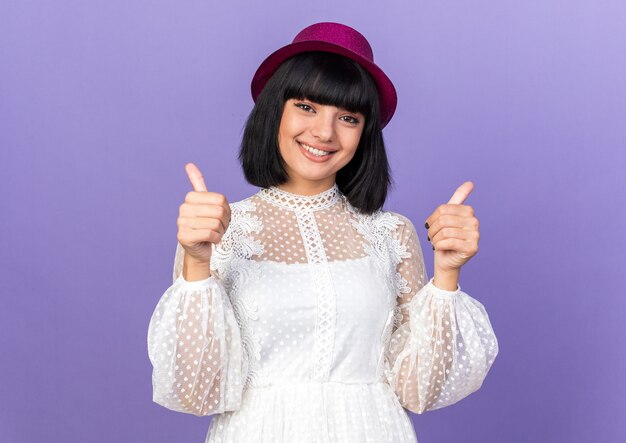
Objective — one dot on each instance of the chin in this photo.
(315, 177)
(312, 174)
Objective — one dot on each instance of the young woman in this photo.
(304, 313)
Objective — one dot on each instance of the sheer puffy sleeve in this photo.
(194, 345)
(442, 344)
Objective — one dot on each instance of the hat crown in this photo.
(338, 34)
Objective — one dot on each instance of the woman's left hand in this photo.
(453, 231)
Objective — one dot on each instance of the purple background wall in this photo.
(103, 102)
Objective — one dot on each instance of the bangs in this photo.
(331, 79)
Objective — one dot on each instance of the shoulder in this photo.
(244, 209)
(403, 220)
(384, 224)
(242, 229)
(404, 227)
(244, 205)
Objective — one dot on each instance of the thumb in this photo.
(461, 193)
(195, 177)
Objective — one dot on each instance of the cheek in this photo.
(283, 136)
(349, 152)
(352, 142)
(287, 132)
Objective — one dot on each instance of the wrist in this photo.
(188, 259)
(446, 279)
(194, 270)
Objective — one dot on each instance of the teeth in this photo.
(315, 151)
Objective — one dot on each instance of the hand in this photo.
(203, 218)
(453, 231)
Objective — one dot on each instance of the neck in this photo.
(308, 187)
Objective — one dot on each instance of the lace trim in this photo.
(231, 258)
(378, 229)
(298, 202)
(325, 324)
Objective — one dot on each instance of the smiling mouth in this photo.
(314, 151)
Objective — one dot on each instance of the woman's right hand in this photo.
(203, 218)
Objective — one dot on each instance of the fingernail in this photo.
(426, 225)
(428, 238)
(433, 248)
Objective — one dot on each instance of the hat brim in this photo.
(386, 90)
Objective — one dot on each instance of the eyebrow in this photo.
(362, 114)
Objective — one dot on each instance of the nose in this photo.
(323, 126)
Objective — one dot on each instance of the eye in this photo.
(303, 106)
(352, 120)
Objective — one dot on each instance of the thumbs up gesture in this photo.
(453, 232)
(203, 218)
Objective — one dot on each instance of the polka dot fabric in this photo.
(318, 324)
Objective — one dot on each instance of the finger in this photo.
(450, 221)
(449, 215)
(455, 244)
(206, 204)
(457, 198)
(461, 193)
(204, 210)
(458, 233)
(196, 199)
(201, 223)
(200, 235)
(195, 177)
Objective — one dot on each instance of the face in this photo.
(316, 141)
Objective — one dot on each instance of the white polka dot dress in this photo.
(318, 324)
